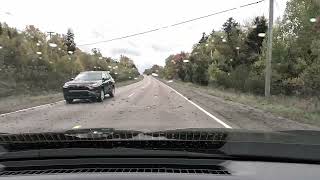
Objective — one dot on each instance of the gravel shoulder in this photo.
(236, 114)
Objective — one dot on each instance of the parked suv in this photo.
(92, 85)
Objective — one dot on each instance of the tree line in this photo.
(30, 61)
(234, 57)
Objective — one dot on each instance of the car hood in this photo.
(84, 83)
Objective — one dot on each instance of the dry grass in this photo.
(124, 83)
(16, 102)
(305, 110)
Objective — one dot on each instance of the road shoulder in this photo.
(237, 114)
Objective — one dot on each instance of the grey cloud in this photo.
(160, 48)
(143, 66)
(132, 44)
(117, 51)
(97, 34)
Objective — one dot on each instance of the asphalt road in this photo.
(146, 105)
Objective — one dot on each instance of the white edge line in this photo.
(200, 108)
(131, 94)
(27, 109)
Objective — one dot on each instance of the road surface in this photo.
(147, 105)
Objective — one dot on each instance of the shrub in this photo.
(239, 76)
(223, 79)
(254, 84)
(311, 78)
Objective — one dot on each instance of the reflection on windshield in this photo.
(91, 76)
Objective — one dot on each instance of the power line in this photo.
(172, 25)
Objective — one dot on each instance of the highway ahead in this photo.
(147, 105)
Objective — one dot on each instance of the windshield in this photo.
(235, 65)
(88, 76)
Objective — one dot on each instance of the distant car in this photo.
(92, 85)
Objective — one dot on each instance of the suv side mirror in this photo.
(71, 79)
(104, 79)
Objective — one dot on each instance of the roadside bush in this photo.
(254, 84)
(239, 76)
(200, 74)
(311, 78)
(223, 79)
(213, 72)
(293, 86)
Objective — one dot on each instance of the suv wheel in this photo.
(69, 101)
(101, 96)
(112, 92)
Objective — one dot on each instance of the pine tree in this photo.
(253, 41)
(231, 28)
(203, 38)
(69, 41)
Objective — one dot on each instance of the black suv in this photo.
(89, 85)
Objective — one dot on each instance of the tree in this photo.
(34, 34)
(174, 66)
(234, 57)
(69, 41)
(231, 28)
(96, 52)
(30, 64)
(298, 30)
(253, 41)
(203, 38)
(154, 69)
(1, 29)
(9, 34)
(229, 48)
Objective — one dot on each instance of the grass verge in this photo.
(304, 110)
(17, 102)
(125, 83)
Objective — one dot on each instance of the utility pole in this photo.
(50, 33)
(269, 53)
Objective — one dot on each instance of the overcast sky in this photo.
(97, 20)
